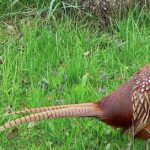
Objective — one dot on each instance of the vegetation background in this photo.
(49, 56)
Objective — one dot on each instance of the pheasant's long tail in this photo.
(79, 110)
(42, 109)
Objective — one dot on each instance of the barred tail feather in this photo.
(86, 110)
(43, 109)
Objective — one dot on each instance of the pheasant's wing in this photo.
(141, 99)
(141, 110)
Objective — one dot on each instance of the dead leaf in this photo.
(11, 30)
(86, 53)
(12, 134)
(31, 125)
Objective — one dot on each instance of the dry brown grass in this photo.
(106, 10)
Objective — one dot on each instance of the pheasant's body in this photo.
(127, 108)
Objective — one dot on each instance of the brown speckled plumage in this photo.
(126, 108)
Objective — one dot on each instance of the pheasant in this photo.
(128, 107)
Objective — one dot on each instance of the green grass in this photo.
(46, 64)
